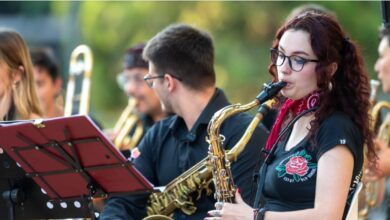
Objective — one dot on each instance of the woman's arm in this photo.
(334, 176)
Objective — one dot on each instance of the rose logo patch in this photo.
(297, 167)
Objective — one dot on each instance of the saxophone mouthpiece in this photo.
(270, 90)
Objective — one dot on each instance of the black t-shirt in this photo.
(291, 176)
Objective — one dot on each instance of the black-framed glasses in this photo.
(150, 82)
(149, 79)
(295, 62)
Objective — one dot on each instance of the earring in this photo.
(330, 86)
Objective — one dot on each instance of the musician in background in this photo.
(134, 86)
(382, 67)
(315, 149)
(131, 80)
(181, 72)
(48, 82)
(382, 171)
(18, 99)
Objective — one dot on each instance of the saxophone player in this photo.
(181, 72)
(315, 148)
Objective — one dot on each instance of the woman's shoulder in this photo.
(338, 118)
(339, 122)
(339, 126)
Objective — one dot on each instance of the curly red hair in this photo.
(349, 91)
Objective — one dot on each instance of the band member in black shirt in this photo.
(315, 148)
(181, 72)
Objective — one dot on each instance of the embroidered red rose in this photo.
(297, 165)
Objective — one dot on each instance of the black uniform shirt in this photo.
(169, 149)
(290, 182)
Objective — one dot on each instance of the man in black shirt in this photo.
(181, 71)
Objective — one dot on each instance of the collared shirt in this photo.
(169, 149)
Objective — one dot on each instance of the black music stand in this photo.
(70, 160)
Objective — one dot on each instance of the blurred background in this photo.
(242, 33)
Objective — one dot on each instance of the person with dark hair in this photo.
(270, 118)
(181, 72)
(147, 105)
(48, 82)
(315, 149)
(131, 80)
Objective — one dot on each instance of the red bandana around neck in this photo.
(295, 108)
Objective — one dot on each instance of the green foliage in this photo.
(60, 8)
(242, 32)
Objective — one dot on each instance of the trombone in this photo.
(128, 122)
(80, 66)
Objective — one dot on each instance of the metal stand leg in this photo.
(12, 197)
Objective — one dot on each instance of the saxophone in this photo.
(373, 192)
(219, 159)
(178, 193)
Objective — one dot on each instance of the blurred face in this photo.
(382, 65)
(159, 88)
(146, 100)
(47, 90)
(296, 43)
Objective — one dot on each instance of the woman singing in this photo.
(315, 148)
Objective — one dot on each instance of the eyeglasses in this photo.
(122, 79)
(295, 62)
(151, 83)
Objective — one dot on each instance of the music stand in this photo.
(71, 160)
